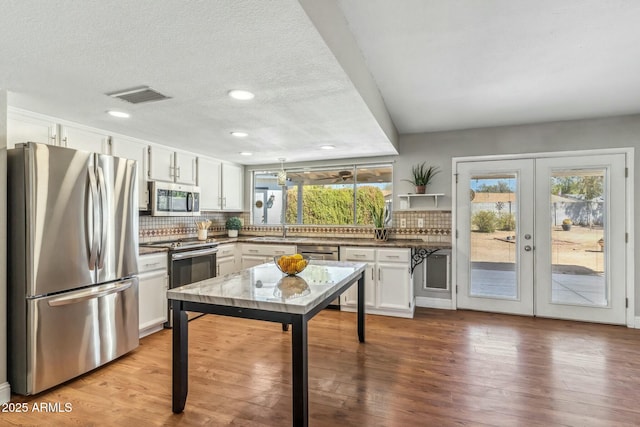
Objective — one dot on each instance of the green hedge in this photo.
(325, 205)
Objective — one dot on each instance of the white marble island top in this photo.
(264, 287)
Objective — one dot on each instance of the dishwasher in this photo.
(328, 253)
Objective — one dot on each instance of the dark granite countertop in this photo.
(293, 240)
(340, 241)
(147, 250)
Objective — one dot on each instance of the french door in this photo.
(543, 236)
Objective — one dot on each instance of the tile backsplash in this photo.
(435, 227)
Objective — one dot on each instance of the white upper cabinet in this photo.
(25, 128)
(167, 165)
(232, 188)
(82, 139)
(209, 173)
(161, 161)
(186, 168)
(220, 185)
(135, 150)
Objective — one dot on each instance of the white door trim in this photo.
(630, 252)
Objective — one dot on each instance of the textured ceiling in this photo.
(458, 64)
(433, 65)
(61, 57)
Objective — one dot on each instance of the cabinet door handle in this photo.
(178, 172)
(252, 251)
(372, 276)
(379, 275)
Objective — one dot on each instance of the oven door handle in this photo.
(192, 254)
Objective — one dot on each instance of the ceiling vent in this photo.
(138, 95)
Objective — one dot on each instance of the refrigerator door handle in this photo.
(92, 293)
(93, 250)
(103, 220)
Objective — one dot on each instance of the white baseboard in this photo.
(5, 392)
(445, 304)
(636, 325)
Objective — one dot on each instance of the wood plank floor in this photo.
(441, 368)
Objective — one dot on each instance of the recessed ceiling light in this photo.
(239, 134)
(241, 94)
(327, 147)
(119, 114)
(246, 153)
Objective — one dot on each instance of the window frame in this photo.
(328, 167)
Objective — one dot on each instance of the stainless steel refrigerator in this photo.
(72, 263)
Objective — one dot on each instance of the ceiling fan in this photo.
(342, 176)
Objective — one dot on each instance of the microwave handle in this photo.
(189, 202)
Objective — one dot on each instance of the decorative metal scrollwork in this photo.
(418, 255)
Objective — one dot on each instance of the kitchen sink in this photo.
(278, 239)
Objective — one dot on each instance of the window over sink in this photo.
(332, 195)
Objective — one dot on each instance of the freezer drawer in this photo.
(74, 332)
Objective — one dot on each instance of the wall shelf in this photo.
(408, 197)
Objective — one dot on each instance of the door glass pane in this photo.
(578, 215)
(493, 236)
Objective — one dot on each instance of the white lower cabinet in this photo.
(152, 293)
(226, 259)
(256, 254)
(388, 284)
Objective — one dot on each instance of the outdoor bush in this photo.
(485, 221)
(506, 222)
(325, 205)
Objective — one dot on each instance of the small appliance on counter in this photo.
(72, 263)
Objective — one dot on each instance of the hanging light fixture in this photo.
(282, 174)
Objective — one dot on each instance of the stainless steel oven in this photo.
(189, 261)
(189, 266)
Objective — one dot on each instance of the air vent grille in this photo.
(139, 95)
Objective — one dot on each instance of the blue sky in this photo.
(476, 183)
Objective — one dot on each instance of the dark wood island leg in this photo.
(361, 308)
(180, 357)
(300, 372)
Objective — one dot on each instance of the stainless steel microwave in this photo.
(168, 199)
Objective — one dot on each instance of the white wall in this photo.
(439, 148)
(334, 29)
(5, 393)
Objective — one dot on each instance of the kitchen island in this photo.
(264, 293)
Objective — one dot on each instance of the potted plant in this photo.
(422, 176)
(566, 224)
(380, 218)
(232, 225)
